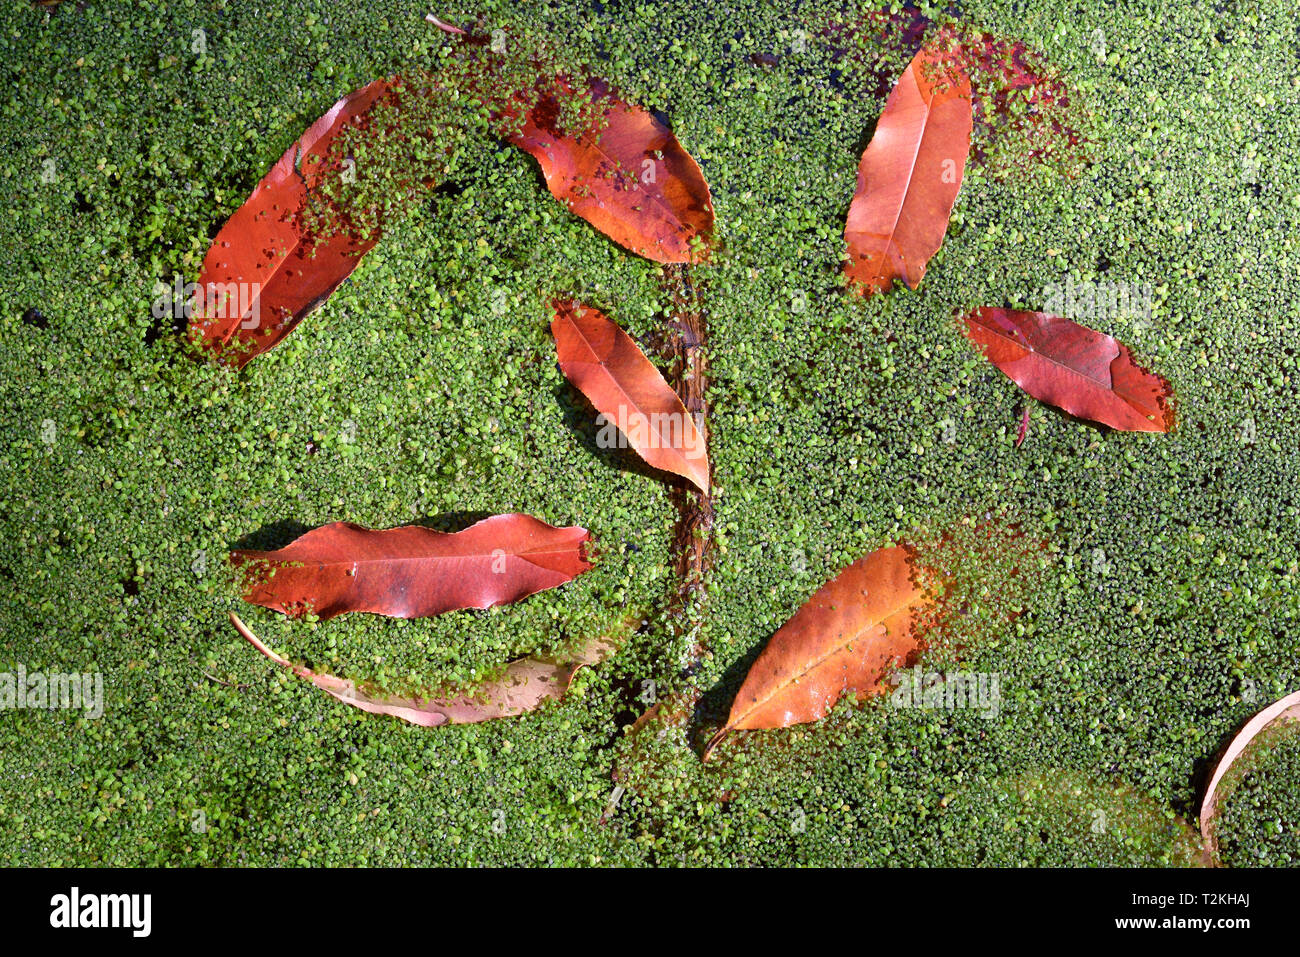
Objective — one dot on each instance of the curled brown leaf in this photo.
(522, 687)
(1286, 709)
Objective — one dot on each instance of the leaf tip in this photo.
(443, 26)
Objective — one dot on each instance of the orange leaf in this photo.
(909, 175)
(1085, 372)
(523, 686)
(412, 571)
(603, 362)
(262, 274)
(630, 178)
(849, 634)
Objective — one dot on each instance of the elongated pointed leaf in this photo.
(630, 179)
(264, 273)
(524, 685)
(843, 641)
(1085, 372)
(413, 572)
(639, 408)
(1285, 709)
(910, 174)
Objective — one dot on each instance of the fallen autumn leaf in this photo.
(264, 272)
(522, 687)
(1085, 372)
(843, 640)
(1285, 709)
(629, 178)
(606, 366)
(412, 571)
(910, 175)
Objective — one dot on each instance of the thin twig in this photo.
(226, 683)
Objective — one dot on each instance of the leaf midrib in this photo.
(911, 170)
(426, 558)
(618, 385)
(663, 206)
(794, 679)
(1029, 348)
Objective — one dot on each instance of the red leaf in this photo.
(909, 175)
(263, 274)
(630, 179)
(413, 572)
(523, 686)
(603, 362)
(844, 640)
(1080, 370)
